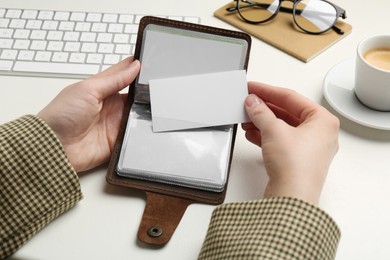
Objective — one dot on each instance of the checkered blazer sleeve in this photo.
(276, 228)
(37, 183)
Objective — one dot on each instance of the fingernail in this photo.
(252, 101)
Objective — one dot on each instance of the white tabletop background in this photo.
(104, 224)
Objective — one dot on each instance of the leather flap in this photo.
(161, 216)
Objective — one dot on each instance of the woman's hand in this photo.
(85, 116)
(299, 139)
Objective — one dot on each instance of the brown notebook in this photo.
(283, 34)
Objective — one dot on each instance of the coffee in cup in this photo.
(372, 73)
(378, 57)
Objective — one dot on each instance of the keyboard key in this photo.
(4, 22)
(38, 35)
(61, 16)
(54, 35)
(26, 55)
(94, 58)
(88, 37)
(45, 15)
(50, 25)
(6, 43)
(77, 57)
(106, 48)
(2, 12)
(115, 28)
(9, 54)
(29, 14)
(133, 39)
(60, 57)
(77, 16)
(34, 24)
(111, 59)
(104, 37)
(71, 36)
(50, 67)
(83, 27)
(121, 38)
(89, 47)
(110, 18)
(21, 44)
(13, 13)
(55, 46)
(126, 18)
(94, 17)
(72, 46)
(43, 56)
(66, 26)
(21, 34)
(38, 45)
(123, 49)
(6, 33)
(17, 23)
(131, 28)
(5, 65)
(99, 27)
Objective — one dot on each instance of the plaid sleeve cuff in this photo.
(37, 182)
(275, 228)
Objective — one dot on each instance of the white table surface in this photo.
(104, 224)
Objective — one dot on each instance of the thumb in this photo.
(115, 78)
(258, 112)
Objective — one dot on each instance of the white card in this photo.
(198, 101)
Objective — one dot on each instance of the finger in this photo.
(284, 115)
(116, 67)
(248, 126)
(258, 112)
(113, 79)
(286, 99)
(254, 136)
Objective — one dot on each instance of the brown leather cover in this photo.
(161, 216)
(165, 203)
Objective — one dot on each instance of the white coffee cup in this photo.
(372, 74)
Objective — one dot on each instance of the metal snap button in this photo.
(155, 231)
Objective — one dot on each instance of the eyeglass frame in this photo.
(340, 12)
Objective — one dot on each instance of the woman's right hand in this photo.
(298, 137)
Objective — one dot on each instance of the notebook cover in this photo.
(282, 33)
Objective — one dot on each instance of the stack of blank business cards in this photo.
(195, 86)
(196, 158)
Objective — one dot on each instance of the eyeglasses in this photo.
(311, 16)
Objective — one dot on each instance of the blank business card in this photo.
(198, 101)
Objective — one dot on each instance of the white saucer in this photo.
(339, 92)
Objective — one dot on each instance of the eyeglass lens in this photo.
(313, 16)
(258, 11)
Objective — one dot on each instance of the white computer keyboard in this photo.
(66, 44)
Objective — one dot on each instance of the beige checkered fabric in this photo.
(277, 228)
(37, 183)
